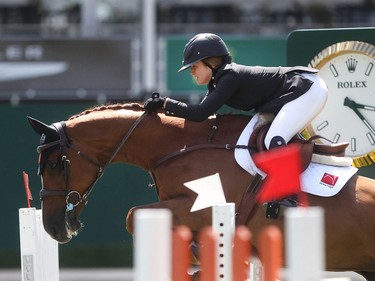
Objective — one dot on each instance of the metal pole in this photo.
(89, 19)
(149, 45)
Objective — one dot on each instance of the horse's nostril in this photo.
(53, 231)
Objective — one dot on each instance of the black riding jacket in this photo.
(265, 89)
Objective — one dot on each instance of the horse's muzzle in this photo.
(63, 230)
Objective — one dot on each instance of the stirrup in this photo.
(272, 210)
(273, 207)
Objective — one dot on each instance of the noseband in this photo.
(72, 197)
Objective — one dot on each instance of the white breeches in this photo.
(295, 115)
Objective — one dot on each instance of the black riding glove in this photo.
(154, 103)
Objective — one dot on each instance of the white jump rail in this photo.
(39, 252)
(305, 255)
(153, 245)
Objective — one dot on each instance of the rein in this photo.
(186, 150)
(207, 145)
(72, 197)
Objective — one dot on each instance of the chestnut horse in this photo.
(74, 153)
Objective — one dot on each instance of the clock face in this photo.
(349, 114)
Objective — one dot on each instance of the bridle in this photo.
(72, 197)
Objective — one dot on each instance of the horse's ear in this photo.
(39, 127)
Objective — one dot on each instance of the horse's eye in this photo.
(54, 166)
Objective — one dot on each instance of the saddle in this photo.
(307, 147)
(309, 151)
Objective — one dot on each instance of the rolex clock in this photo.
(349, 114)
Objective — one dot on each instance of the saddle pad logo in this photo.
(329, 180)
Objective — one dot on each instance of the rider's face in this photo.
(201, 72)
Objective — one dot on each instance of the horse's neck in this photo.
(100, 133)
(154, 138)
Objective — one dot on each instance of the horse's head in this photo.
(68, 176)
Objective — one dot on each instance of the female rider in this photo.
(294, 94)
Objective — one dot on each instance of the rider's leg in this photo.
(295, 115)
(291, 119)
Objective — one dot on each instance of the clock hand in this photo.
(353, 105)
(358, 105)
(364, 106)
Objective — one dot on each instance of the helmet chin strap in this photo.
(227, 59)
(213, 70)
(208, 65)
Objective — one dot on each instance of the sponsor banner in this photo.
(65, 69)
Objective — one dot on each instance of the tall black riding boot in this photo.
(273, 207)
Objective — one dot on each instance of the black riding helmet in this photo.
(202, 46)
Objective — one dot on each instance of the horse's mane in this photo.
(130, 106)
(116, 106)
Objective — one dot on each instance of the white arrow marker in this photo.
(210, 192)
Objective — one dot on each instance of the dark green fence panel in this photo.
(303, 45)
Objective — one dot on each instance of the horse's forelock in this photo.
(131, 106)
